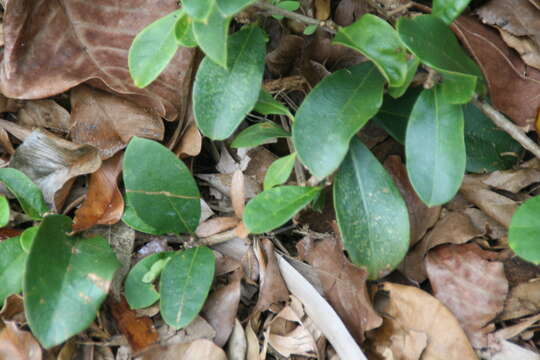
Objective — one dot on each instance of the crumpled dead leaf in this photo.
(391, 343)
(523, 300)
(237, 344)
(344, 284)
(44, 113)
(16, 344)
(92, 46)
(216, 225)
(197, 349)
(108, 122)
(197, 329)
(51, 162)
(281, 60)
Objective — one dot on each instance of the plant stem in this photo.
(508, 126)
(327, 25)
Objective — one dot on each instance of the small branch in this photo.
(509, 127)
(327, 25)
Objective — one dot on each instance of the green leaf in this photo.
(524, 231)
(231, 7)
(379, 42)
(223, 97)
(28, 194)
(212, 35)
(131, 219)
(310, 29)
(279, 171)
(488, 147)
(430, 39)
(183, 31)
(152, 50)
(273, 208)
(12, 261)
(259, 134)
(371, 214)
(4, 211)
(398, 91)
(435, 147)
(198, 9)
(66, 280)
(155, 271)
(27, 238)
(287, 5)
(449, 10)
(184, 285)
(267, 105)
(141, 294)
(160, 188)
(336, 109)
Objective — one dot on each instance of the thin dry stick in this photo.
(509, 127)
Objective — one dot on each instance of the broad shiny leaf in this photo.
(524, 231)
(448, 10)
(267, 105)
(184, 285)
(131, 219)
(398, 91)
(258, 134)
(371, 214)
(27, 238)
(4, 211)
(28, 194)
(212, 34)
(332, 113)
(198, 9)
(223, 97)
(279, 171)
(12, 262)
(231, 7)
(378, 41)
(435, 147)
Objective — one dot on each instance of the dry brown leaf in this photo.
(523, 300)
(18, 345)
(514, 89)
(223, 183)
(332, 56)
(505, 350)
(281, 60)
(348, 11)
(412, 309)
(73, 41)
(191, 142)
(516, 329)
(391, 343)
(44, 113)
(252, 343)
(261, 159)
(343, 283)
(237, 345)
(197, 329)
(197, 349)
(216, 225)
(107, 122)
(454, 228)
(512, 180)
(242, 252)
(527, 49)
(12, 308)
(5, 142)
(421, 217)
(51, 162)
(473, 288)
(238, 197)
(104, 203)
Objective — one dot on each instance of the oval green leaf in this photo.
(184, 285)
(27, 238)
(379, 42)
(267, 105)
(449, 10)
(160, 188)
(12, 262)
(435, 147)
(198, 9)
(398, 91)
(152, 50)
(131, 219)
(183, 31)
(28, 194)
(212, 34)
(273, 208)
(223, 97)
(231, 7)
(259, 134)
(67, 279)
(524, 231)
(4, 211)
(336, 109)
(140, 294)
(371, 214)
(279, 171)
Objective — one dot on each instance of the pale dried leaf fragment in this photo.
(238, 197)
(16, 344)
(512, 180)
(197, 329)
(216, 225)
(391, 343)
(190, 143)
(523, 300)
(44, 113)
(237, 345)
(527, 48)
(197, 349)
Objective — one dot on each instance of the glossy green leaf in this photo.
(184, 285)
(371, 214)
(524, 231)
(310, 29)
(152, 50)
(430, 39)
(267, 105)
(198, 9)
(379, 42)
(212, 35)
(449, 10)
(160, 188)
(131, 219)
(398, 91)
(12, 262)
(332, 113)
(27, 238)
(28, 194)
(259, 134)
(4, 211)
(223, 97)
(488, 147)
(183, 31)
(279, 171)
(155, 271)
(66, 280)
(287, 5)
(435, 147)
(273, 208)
(231, 7)
(141, 294)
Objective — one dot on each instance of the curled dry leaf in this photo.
(412, 309)
(390, 342)
(108, 122)
(524, 299)
(281, 60)
(512, 180)
(333, 56)
(238, 197)
(513, 89)
(197, 329)
(44, 113)
(190, 143)
(51, 162)
(527, 48)
(343, 283)
(215, 226)
(348, 11)
(104, 203)
(237, 345)
(197, 349)
(18, 345)
(94, 42)
(242, 252)
(473, 288)
(223, 182)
